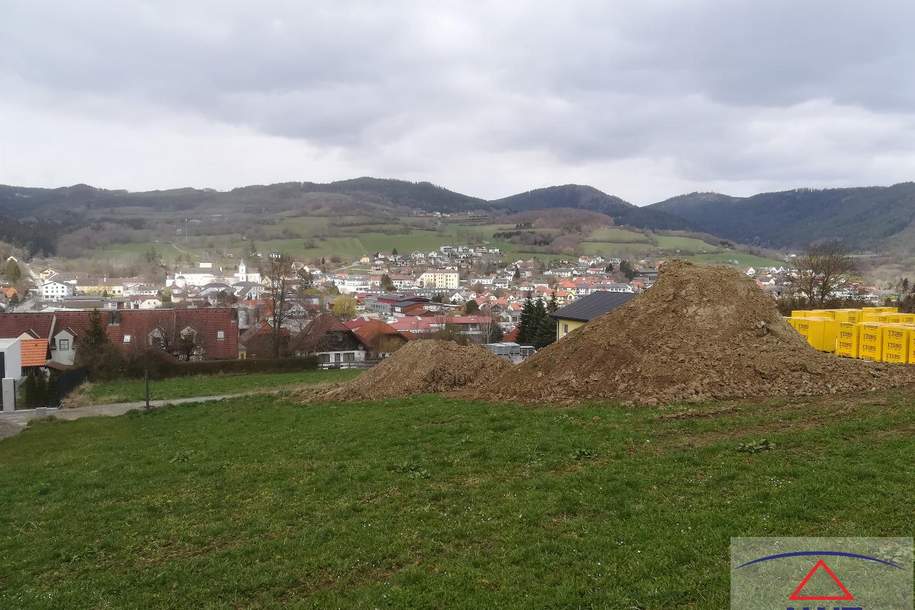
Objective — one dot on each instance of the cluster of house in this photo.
(204, 284)
(778, 282)
(225, 313)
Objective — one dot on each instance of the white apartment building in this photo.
(55, 291)
(439, 279)
(352, 284)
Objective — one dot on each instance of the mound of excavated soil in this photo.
(699, 333)
(422, 367)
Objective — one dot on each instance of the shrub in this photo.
(162, 366)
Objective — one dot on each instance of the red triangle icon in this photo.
(821, 565)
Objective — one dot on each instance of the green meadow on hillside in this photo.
(350, 237)
(432, 502)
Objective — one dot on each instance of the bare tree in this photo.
(822, 271)
(277, 268)
(490, 331)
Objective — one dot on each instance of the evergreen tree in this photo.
(96, 353)
(543, 328)
(553, 305)
(95, 337)
(12, 272)
(525, 327)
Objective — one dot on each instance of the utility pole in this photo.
(146, 380)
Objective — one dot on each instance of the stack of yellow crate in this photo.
(881, 334)
(870, 341)
(896, 343)
(852, 316)
(819, 332)
(875, 314)
(847, 340)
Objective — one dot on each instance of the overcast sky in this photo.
(643, 99)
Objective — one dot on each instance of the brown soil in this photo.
(421, 367)
(700, 333)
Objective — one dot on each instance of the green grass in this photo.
(433, 503)
(616, 235)
(742, 259)
(356, 236)
(620, 242)
(131, 390)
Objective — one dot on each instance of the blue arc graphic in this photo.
(815, 553)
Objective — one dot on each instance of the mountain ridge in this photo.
(862, 217)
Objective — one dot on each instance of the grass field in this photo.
(433, 503)
(615, 241)
(356, 236)
(132, 390)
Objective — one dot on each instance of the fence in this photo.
(37, 390)
(358, 364)
(64, 383)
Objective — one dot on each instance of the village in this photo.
(457, 305)
(349, 317)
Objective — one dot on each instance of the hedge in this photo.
(213, 367)
(162, 366)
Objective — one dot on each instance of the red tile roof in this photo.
(137, 323)
(34, 352)
(371, 332)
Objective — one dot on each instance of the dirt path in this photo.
(13, 423)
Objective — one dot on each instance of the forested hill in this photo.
(589, 198)
(864, 218)
(861, 217)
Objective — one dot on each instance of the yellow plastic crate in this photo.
(889, 318)
(882, 309)
(906, 318)
(896, 344)
(870, 341)
(912, 348)
(800, 313)
(871, 314)
(852, 316)
(847, 340)
(829, 314)
(820, 333)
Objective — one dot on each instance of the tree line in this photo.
(537, 327)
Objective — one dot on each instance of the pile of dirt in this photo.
(699, 333)
(422, 367)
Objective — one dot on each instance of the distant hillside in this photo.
(589, 198)
(83, 199)
(867, 218)
(863, 217)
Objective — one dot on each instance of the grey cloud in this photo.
(707, 90)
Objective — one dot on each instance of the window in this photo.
(127, 338)
(63, 345)
(156, 338)
(349, 357)
(324, 358)
(220, 335)
(565, 329)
